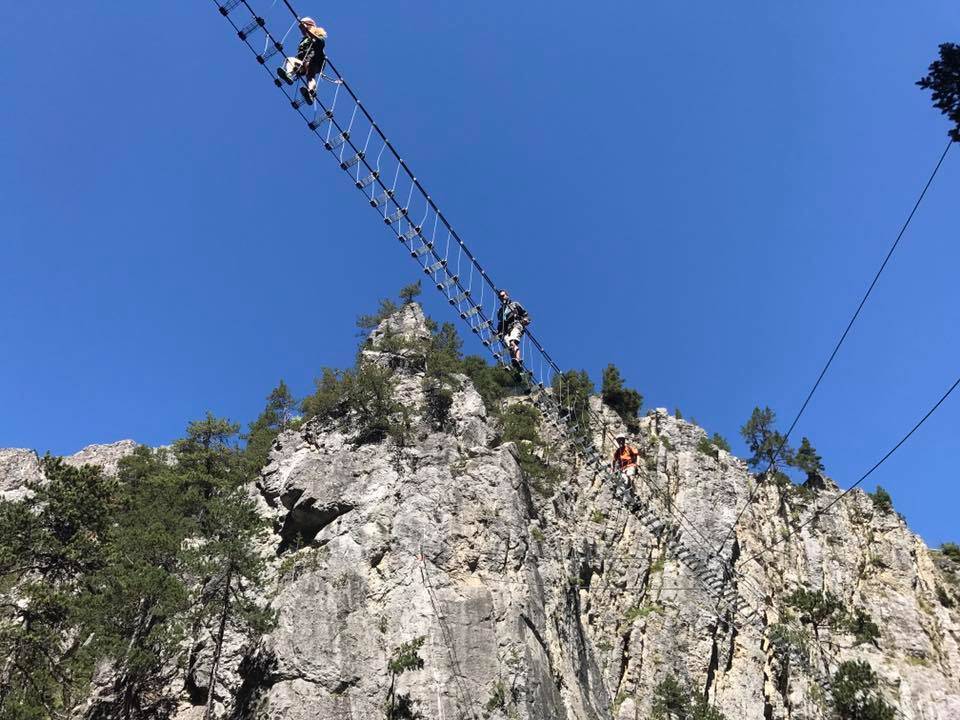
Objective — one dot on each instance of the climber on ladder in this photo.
(512, 321)
(309, 60)
(625, 457)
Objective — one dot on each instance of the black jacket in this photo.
(311, 52)
(509, 313)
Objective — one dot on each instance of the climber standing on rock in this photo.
(512, 321)
(309, 61)
(625, 457)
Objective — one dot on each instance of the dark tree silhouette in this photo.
(944, 82)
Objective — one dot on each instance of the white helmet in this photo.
(307, 21)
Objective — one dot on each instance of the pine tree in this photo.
(807, 460)
(767, 446)
(233, 571)
(573, 390)
(51, 544)
(409, 293)
(944, 80)
(855, 693)
(276, 417)
(141, 596)
(625, 401)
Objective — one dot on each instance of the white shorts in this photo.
(513, 334)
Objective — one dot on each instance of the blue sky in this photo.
(699, 193)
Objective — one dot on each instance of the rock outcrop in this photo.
(539, 602)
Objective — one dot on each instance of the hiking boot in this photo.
(282, 74)
(309, 95)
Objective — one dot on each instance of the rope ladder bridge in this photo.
(348, 132)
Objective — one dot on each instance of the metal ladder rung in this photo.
(422, 250)
(398, 215)
(470, 312)
(382, 199)
(410, 234)
(314, 124)
(435, 268)
(368, 181)
(482, 326)
(457, 299)
(263, 57)
(449, 282)
(337, 141)
(256, 24)
(347, 164)
(229, 6)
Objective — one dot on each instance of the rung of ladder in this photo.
(229, 6)
(482, 326)
(435, 268)
(337, 141)
(422, 250)
(346, 164)
(398, 215)
(263, 57)
(381, 199)
(314, 124)
(457, 299)
(448, 283)
(251, 27)
(470, 312)
(410, 234)
(368, 181)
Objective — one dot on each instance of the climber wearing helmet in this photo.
(625, 457)
(512, 321)
(309, 60)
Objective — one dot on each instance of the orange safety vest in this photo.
(625, 457)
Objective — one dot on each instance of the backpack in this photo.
(522, 315)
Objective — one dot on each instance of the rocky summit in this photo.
(437, 578)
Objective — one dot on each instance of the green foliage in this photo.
(276, 417)
(944, 80)
(405, 658)
(764, 442)
(712, 445)
(51, 544)
(671, 700)
(855, 693)
(951, 550)
(807, 460)
(638, 612)
(862, 627)
(882, 502)
(822, 608)
(366, 323)
(493, 382)
(114, 573)
(439, 400)
(363, 398)
(521, 426)
(623, 400)
(409, 293)
(817, 607)
(790, 641)
(573, 390)
(328, 401)
(674, 701)
(677, 414)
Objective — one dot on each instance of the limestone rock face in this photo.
(558, 602)
(106, 456)
(17, 468)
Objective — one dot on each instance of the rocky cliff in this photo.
(540, 602)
